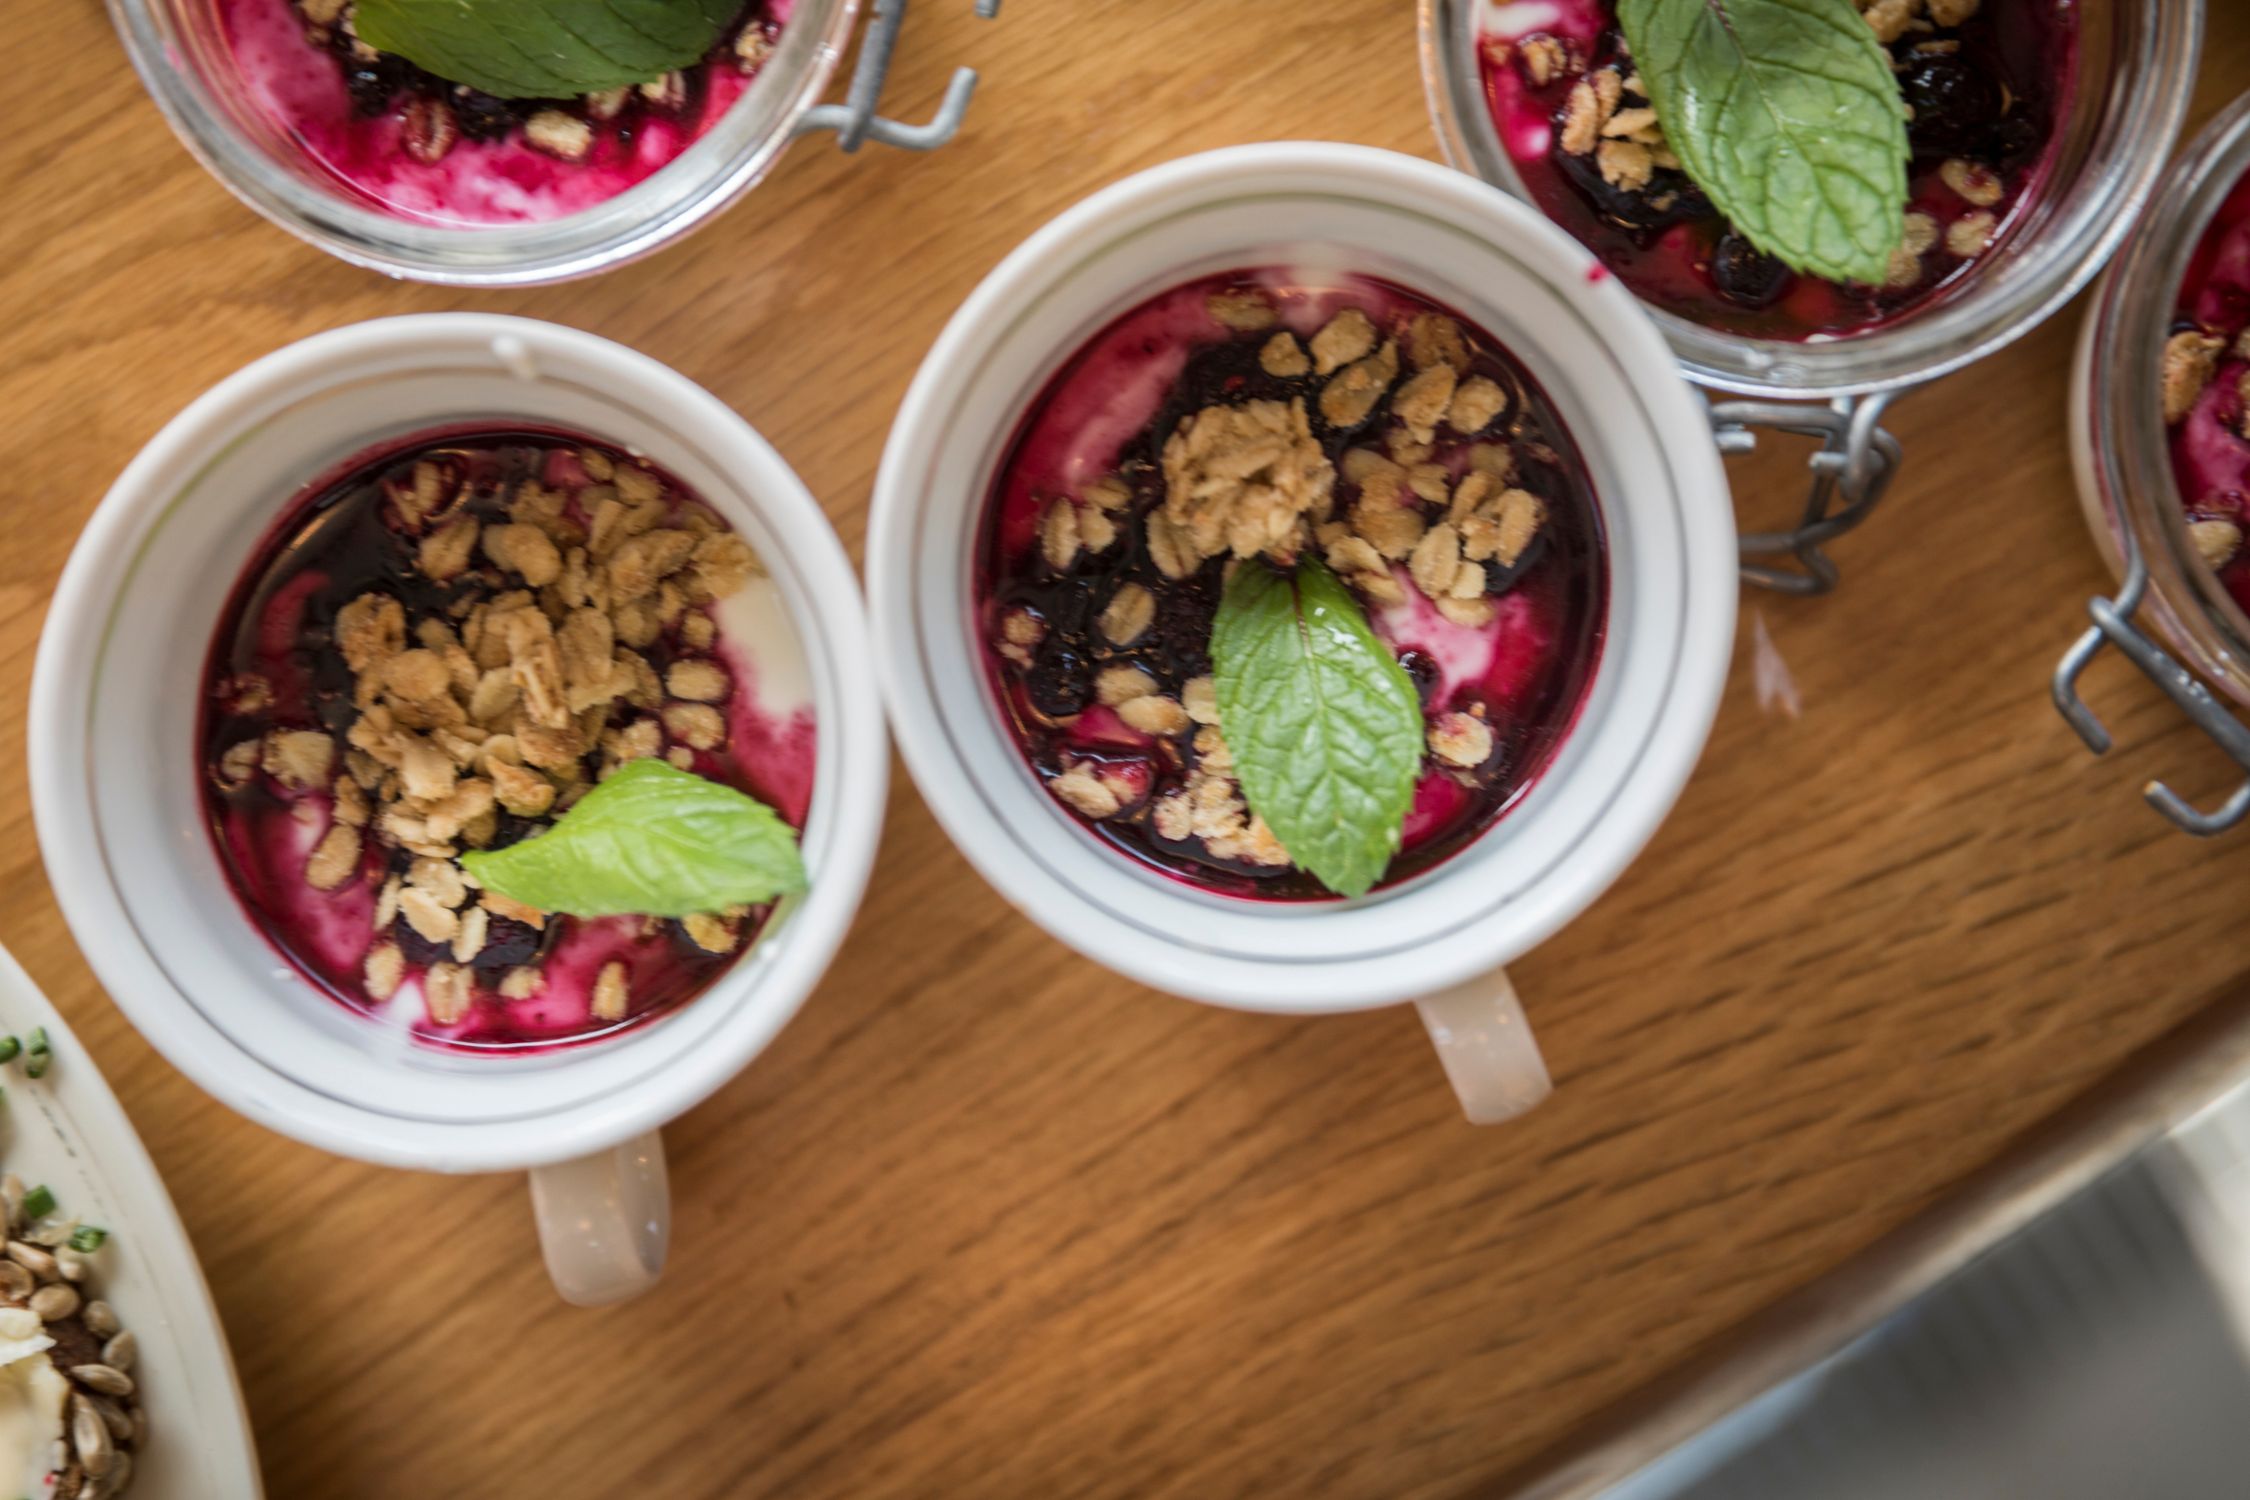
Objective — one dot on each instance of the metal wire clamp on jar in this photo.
(2120, 450)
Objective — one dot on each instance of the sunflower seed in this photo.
(89, 1434)
(113, 1416)
(120, 1475)
(54, 1303)
(33, 1259)
(70, 1263)
(15, 1281)
(120, 1352)
(104, 1378)
(139, 1414)
(11, 1193)
(101, 1319)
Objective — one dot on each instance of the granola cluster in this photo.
(1607, 123)
(439, 113)
(1895, 20)
(1390, 452)
(516, 665)
(1254, 479)
(2193, 360)
(1608, 117)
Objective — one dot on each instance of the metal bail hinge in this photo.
(855, 120)
(2113, 625)
(1856, 463)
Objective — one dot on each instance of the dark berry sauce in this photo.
(1987, 96)
(2210, 448)
(1107, 415)
(419, 147)
(277, 664)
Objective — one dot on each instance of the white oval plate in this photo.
(66, 1130)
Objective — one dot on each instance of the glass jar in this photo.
(2135, 68)
(181, 53)
(2121, 452)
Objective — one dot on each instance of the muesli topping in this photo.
(487, 629)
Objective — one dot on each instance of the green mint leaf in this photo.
(650, 841)
(1787, 115)
(1324, 725)
(545, 49)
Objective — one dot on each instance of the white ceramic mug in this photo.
(116, 782)
(1440, 939)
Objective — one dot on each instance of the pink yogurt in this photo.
(2210, 454)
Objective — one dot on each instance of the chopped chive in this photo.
(86, 1239)
(9, 1048)
(38, 1055)
(38, 1203)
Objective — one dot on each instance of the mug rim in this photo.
(1629, 810)
(59, 727)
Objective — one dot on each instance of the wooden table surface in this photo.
(988, 1221)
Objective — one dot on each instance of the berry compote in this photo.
(2206, 393)
(1988, 83)
(1254, 419)
(440, 648)
(418, 147)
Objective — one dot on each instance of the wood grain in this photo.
(989, 1221)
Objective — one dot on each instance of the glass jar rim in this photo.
(2087, 216)
(714, 170)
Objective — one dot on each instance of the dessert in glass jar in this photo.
(410, 137)
(489, 143)
(1934, 177)
(1985, 85)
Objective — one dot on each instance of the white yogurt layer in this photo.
(33, 1394)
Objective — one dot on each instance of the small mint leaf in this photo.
(1788, 116)
(650, 841)
(1324, 725)
(545, 49)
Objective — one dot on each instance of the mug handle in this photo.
(605, 1221)
(1487, 1047)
